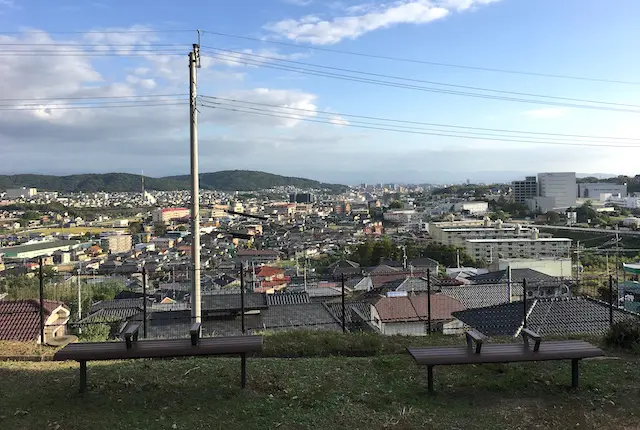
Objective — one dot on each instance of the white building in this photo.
(533, 247)
(457, 233)
(559, 266)
(20, 193)
(401, 216)
(473, 208)
(598, 190)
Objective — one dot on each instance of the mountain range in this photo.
(227, 180)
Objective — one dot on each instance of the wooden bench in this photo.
(159, 348)
(532, 349)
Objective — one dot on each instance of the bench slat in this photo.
(504, 353)
(159, 348)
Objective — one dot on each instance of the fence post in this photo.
(144, 302)
(344, 326)
(242, 328)
(524, 302)
(429, 301)
(611, 300)
(41, 279)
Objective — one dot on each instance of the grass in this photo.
(73, 230)
(317, 393)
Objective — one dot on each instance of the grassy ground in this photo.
(317, 393)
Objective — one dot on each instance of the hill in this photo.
(229, 180)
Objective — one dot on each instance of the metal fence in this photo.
(391, 301)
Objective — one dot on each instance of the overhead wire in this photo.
(560, 135)
(407, 86)
(401, 78)
(386, 127)
(417, 61)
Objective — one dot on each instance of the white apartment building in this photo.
(457, 233)
(492, 250)
(473, 208)
(401, 216)
(20, 193)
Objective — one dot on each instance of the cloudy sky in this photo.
(340, 91)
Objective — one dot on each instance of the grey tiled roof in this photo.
(565, 316)
(232, 302)
(336, 309)
(311, 316)
(287, 298)
(478, 296)
(516, 275)
(111, 314)
(116, 304)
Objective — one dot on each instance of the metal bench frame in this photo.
(472, 354)
(131, 348)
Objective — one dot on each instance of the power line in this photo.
(96, 32)
(95, 97)
(93, 107)
(401, 78)
(637, 140)
(429, 63)
(85, 53)
(386, 127)
(414, 87)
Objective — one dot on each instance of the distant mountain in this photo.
(229, 180)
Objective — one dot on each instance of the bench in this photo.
(160, 348)
(477, 352)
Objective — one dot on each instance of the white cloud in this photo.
(299, 2)
(338, 120)
(362, 19)
(546, 113)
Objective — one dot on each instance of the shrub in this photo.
(625, 335)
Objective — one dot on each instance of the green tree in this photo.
(396, 204)
(135, 227)
(553, 217)
(159, 228)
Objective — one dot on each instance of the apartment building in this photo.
(524, 190)
(116, 243)
(534, 246)
(169, 214)
(457, 233)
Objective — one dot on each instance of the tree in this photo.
(135, 227)
(396, 204)
(159, 228)
(553, 217)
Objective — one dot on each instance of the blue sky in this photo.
(582, 38)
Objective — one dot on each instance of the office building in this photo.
(556, 191)
(601, 190)
(523, 190)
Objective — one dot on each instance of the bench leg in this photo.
(83, 377)
(243, 370)
(575, 372)
(430, 378)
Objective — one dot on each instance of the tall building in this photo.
(301, 198)
(524, 190)
(559, 186)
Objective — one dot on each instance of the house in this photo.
(409, 315)
(257, 256)
(547, 317)
(20, 320)
(269, 279)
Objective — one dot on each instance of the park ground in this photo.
(325, 386)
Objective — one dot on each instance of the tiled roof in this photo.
(232, 302)
(294, 298)
(20, 319)
(266, 271)
(566, 316)
(336, 309)
(517, 275)
(478, 296)
(414, 308)
(110, 315)
(116, 304)
(309, 316)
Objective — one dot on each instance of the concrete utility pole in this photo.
(194, 64)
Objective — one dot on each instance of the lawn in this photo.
(385, 390)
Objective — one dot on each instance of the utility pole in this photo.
(578, 262)
(458, 258)
(79, 282)
(194, 64)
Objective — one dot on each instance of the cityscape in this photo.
(303, 214)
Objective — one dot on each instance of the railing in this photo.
(389, 302)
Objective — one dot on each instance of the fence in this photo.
(388, 301)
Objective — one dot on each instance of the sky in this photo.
(340, 91)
